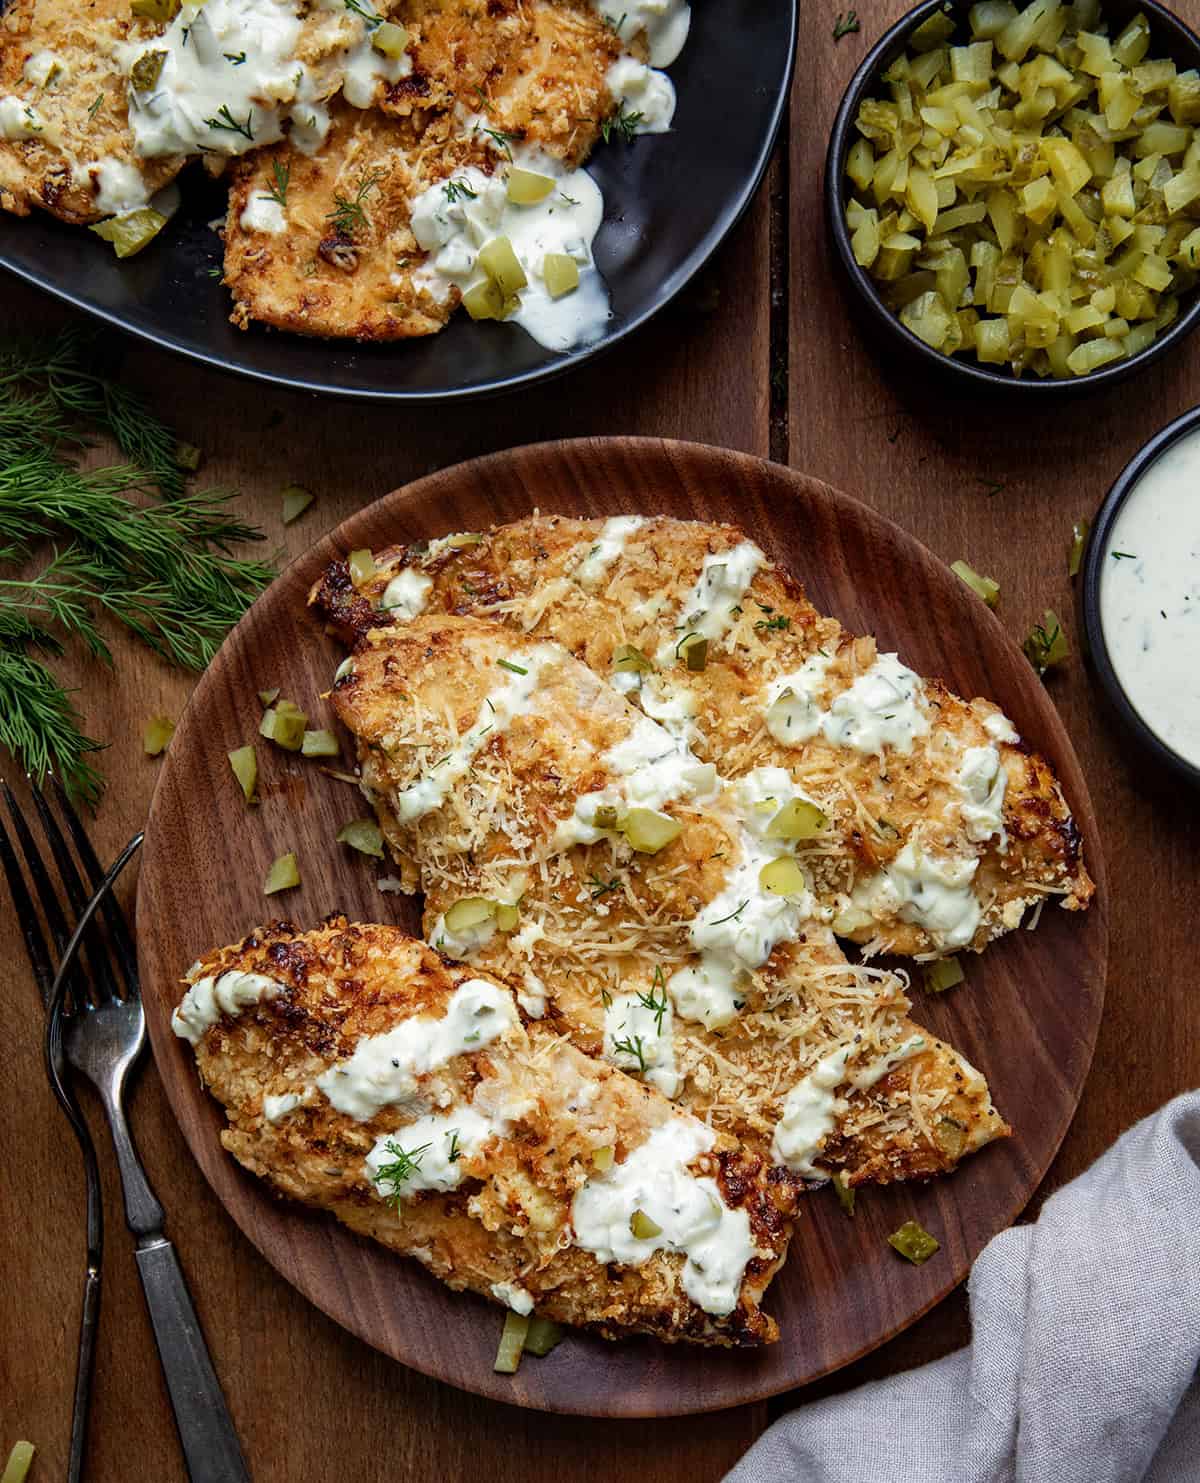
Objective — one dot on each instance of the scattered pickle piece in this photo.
(284, 723)
(1046, 644)
(543, 1336)
(648, 831)
(362, 566)
(295, 499)
(913, 1242)
(605, 817)
(471, 911)
(942, 974)
(132, 230)
(844, 1191)
(508, 915)
(642, 1227)
(283, 875)
(16, 1469)
(269, 697)
(244, 762)
(983, 587)
(363, 835)
(157, 736)
(1079, 535)
(512, 1343)
(797, 819)
(188, 456)
(156, 10)
(319, 744)
(627, 658)
(602, 1160)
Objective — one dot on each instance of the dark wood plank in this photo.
(312, 1401)
(999, 485)
(842, 1291)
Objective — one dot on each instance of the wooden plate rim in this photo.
(688, 463)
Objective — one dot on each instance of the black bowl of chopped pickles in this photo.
(1013, 189)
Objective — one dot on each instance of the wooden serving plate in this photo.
(1028, 1016)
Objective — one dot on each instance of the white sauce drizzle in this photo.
(866, 1076)
(453, 219)
(809, 1113)
(932, 891)
(712, 604)
(665, 22)
(1150, 597)
(46, 69)
(607, 549)
(693, 1218)
(513, 1296)
(20, 120)
(263, 213)
(384, 1068)
(439, 1144)
(208, 999)
(982, 781)
(643, 93)
(882, 708)
(1000, 728)
(629, 1020)
(406, 594)
(510, 699)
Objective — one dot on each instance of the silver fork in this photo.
(101, 1027)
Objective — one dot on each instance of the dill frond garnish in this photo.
(405, 1163)
(282, 174)
(845, 25)
(623, 125)
(160, 568)
(349, 214)
(632, 1047)
(225, 120)
(364, 13)
(657, 1007)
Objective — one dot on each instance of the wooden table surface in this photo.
(763, 357)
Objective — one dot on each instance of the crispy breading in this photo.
(508, 1221)
(600, 920)
(526, 575)
(81, 108)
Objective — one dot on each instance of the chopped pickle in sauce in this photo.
(605, 817)
(1027, 188)
(390, 40)
(471, 911)
(500, 262)
(782, 877)
(626, 659)
(642, 1227)
(560, 272)
(527, 187)
(602, 1160)
(913, 1242)
(648, 831)
(797, 819)
(156, 10)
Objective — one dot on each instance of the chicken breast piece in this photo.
(363, 1074)
(944, 827)
(65, 144)
(511, 784)
(337, 258)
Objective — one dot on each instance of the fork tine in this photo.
(102, 975)
(118, 927)
(41, 879)
(35, 943)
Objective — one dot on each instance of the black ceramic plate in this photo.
(670, 200)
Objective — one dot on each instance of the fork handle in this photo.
(210, 1445)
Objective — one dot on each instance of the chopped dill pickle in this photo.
(853, 919)
(282, 876)
(543, 1336)
(319, 744)
(508, 914)
(500, 262)
(626, 658)
(16, 1469)
(648, 831)
(363, 835)
(782, 877)
(157, 735)
(527, 187)
(913, 1242)
(931, 33)
(512, 1344)
(390, 40)
(146, 71)
(484, 300)
(1046, 644)
(188, 456)
(464, 538)
(844, 1191)
(1079, 535)
(642, 1227)
(132, 230)
(983, 587)
(269, 697)
(295, 500)
(244, 762)
(942, 974)
(602, 1160)
(694, 652)
(951, 1137)
(605, 817)
(362, 566)
(797, 819)
(470, 911)
(155, 10)
(284, 723)
(560, 272)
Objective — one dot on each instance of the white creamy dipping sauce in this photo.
(1150, 597)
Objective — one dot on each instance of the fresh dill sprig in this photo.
(501, 139)
(364, 13)
(235, 58)
(732, 917)
(657, 1007)
(225, 120)
(601, 887)
(459, 190)
(52, 392)
(282, 174)
(405, 1164)
(845, 25)
(40, 725)
(623, 125)
(632, 1047)
(777, 624)
(95, 106)
(614, 25)
(348, 215)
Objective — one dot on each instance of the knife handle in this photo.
(210, 1444)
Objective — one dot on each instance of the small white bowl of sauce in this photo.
(1141, 595)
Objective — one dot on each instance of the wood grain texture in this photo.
(1028, 1021)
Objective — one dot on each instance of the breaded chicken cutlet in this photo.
(362, 1074)
(510, 783)
(942, 827)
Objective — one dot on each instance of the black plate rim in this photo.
(702, 254)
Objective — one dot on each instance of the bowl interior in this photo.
(1170, 37)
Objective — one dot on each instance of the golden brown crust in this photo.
(509, 1219)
